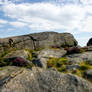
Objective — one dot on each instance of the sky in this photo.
(19, 17)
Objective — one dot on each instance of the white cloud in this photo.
(86, 1)
(87, 25)
(88, 9)
(72, 16)
(3, 21)
(47, 16)
(17, 24)
(10, 29)
(9, 1)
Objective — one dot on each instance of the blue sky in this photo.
(19, 17)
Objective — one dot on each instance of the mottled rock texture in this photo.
(18, 53)
(88, 74)
(77, 58)
(38, 40)
(45, 54)
(38, 77)
(45, 81)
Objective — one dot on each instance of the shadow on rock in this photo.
(37, 62)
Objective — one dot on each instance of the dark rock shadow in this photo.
(37, 62)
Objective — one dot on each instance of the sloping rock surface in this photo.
(36, 80)
(77, 58)
(38, 40)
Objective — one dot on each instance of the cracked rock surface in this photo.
(37, 80)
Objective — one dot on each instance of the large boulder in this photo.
(45, 54)
(38, 40)
(89, 42)
(25, 80)
(46, 39)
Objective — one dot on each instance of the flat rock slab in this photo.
(50, 80)
(77, 58)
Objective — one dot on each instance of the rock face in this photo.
(88, 75)
(77, 58)
(89, 42)
(44, 81)
(38, 40)
(45, 54)
(56, 53)
(6, 71)
(18, 53)
(34, 75)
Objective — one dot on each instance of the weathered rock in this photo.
(89, 42)
(89, 48)
(17, 53)
(6, 71)
(45, 81)
(45, 54)
(77, 58)
(72, 67)
(88, 74)
(56, 53)
(38, 40)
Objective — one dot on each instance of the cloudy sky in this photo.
(19, 17)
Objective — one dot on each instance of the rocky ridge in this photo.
(38, 40)
(45, 62)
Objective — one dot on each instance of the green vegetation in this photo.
(58, 63)
(77, 72)
(29, 54)
(39, 49)
(83, 67)
(29, 65)
(32, 53)
(61, 63)
(2, 63)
